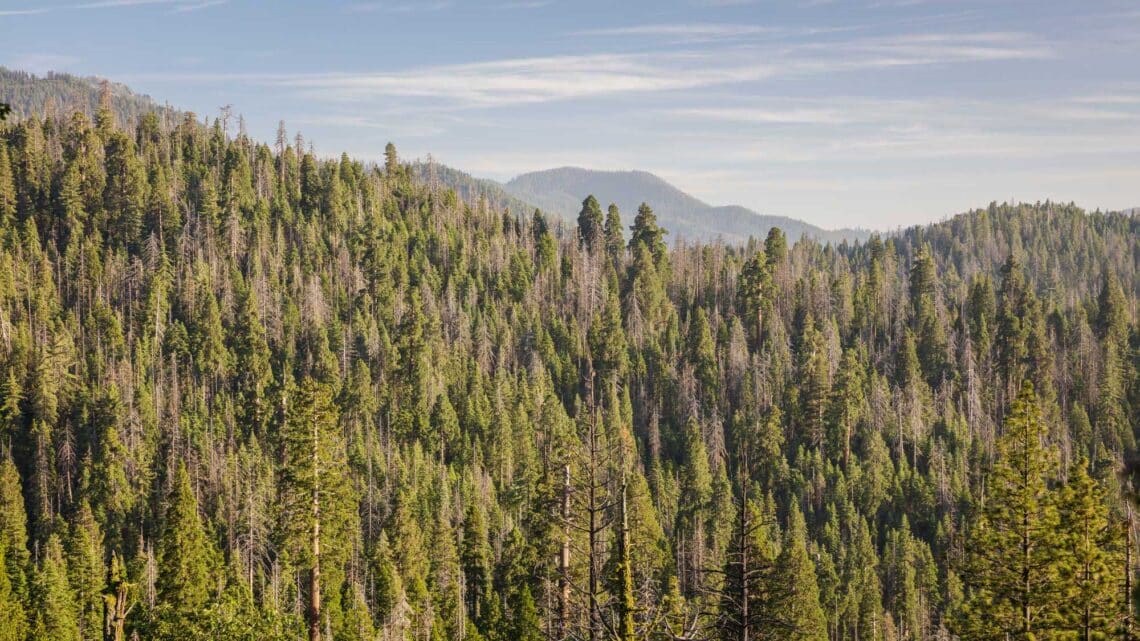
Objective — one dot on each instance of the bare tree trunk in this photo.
(1128, 543)
(564, 558)
(314, 613)
(593, 529)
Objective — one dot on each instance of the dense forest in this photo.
(59, 94)
(249, 393)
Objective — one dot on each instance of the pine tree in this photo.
(800, 616)
(749, 590)
(391, 160)
(591, 225)
(647, 234)
(816, 387)
(13, 529)
(187, 563)
(475, 561)
(1011, 575)
(7, 189)
(693, 508)
(752, 287)
(56, 612)
(11, 608)
(86, 570)
(615, 236)
(1090, 603)
(847, 406)
(702, 353)
(526, 624)
(315, 495)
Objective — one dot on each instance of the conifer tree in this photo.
(86, 570)
(475, 560)
(615, 236)
(801, 617)
(315, 495)
(12, 611)
(186, 562)
(1011, 575)
(591, 225)
(647, 234)
(56, 612)
(693, 508)
(1090, 555)
(13, 529)
(526, 624)
(7, 189)
(391, 160)
(749, 592)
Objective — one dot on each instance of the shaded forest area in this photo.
(247, 393)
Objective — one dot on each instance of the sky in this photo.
(871, 113)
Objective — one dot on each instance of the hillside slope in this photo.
(32, 95)
(470, 189)
(562, 190)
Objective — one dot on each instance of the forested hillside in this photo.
(246, 393)
(62, 93)
(476, 191)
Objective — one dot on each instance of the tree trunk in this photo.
(314, 613)
(564, 558)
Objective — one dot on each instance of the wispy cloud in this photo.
(401, 125)
(724, 3)
(110, 4)
(531, 80)
(523, 4)
(867, 129)
(794, 116)
(41, 63)
(425, 6)
(21, 12)
(180, 6)
(691, 30)
(197, 6)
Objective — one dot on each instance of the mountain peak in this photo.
(561, 191)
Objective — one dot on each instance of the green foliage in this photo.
(1011, 577)
(11, 608)
(798, 608)
(591, 226)
(231, 374)
(185, 559)
(56, 612)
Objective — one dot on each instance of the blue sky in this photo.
(875, 113)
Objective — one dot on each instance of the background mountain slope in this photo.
(32, 95)
(562, 190)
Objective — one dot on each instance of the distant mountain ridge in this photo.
(561, 191)
(30, 94)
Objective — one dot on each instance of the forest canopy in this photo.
(250, 393)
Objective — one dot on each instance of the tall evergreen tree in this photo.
(591, 225)
(315, 495)
(1011, 574)
(801, 617)
(187, 564)
(1089, 560)
(56, 612)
